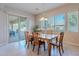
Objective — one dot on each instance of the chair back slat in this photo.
(27, 36)
(61, 37)
(35, 36)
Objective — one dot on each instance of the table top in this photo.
(48, 36)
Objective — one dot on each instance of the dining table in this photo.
(48, 38)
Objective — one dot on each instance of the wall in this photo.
(4, 11)
(3, 29)
(70, 37)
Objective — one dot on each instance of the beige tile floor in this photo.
(19, 49)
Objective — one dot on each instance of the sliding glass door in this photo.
(22, 27)
(17, 27)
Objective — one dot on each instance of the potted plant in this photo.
(35, 29)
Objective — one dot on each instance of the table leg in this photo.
(49, 49)
(56, 40)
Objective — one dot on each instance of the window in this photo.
(44, 23)
(60, 23)
(73, 21)
(29, 24)
(56, 23)
(51, 22)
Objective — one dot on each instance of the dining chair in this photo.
(32, 37)
(27, 38)
(59, 44)
(37, 42)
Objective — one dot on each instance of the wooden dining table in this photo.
(48, 38)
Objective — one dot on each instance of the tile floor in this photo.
(20, 49)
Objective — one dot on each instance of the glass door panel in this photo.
(13, 28)
(17, 27)
(23, 28)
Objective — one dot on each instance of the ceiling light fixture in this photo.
(43, 18)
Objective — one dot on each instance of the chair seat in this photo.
(38, 42)
(55, 44)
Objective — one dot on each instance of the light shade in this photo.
(43, 18)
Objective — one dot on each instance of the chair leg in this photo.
(44, 46)
(38, 49)
(60, 51)
(33, 47)
(56, 40)
(31, 42)
(62, 48)
(49, 49)
(28, 45)
(53, 46)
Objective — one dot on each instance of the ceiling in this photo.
(33, 8)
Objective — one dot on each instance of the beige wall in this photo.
(70, 37)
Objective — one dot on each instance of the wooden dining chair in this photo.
(59, 44)
(27, 38)
(37, 42)
(32, 37)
